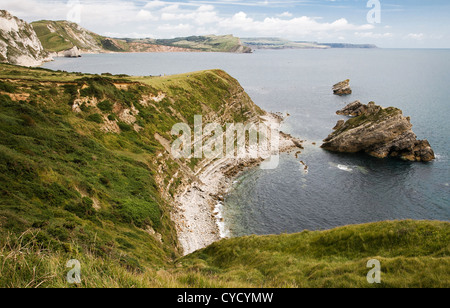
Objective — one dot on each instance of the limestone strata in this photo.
(342, 88)
(379, 132)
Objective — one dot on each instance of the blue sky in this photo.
(403, 24)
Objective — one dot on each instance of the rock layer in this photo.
(379, 132)
(342, 88)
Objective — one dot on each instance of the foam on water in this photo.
(344, 168)
(218, 212)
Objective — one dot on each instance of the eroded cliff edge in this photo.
(379, 132)
(19, 44)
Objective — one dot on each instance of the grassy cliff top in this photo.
(80, 167)
(412, 254)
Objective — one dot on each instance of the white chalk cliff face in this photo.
(19, 43)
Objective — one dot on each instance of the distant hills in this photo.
(279, 43)
(57, 36)
(32, 44)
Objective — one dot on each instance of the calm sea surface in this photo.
(338, 189)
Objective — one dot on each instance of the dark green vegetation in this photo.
(81, 178)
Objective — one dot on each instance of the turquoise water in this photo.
(338, 189)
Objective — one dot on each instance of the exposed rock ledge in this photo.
(72, 53)
(380, 132)
(342, 88)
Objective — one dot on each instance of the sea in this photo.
(337, 189)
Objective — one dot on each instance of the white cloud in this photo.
(168, 19)
(416, 36)
(144, 15)
(285, 14)
(295, 27)
(204, 14)
(374, 35)
(154, 4)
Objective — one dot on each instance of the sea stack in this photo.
(342, 88)
(72, 53)
(379, 132)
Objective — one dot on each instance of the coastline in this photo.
(197, 213)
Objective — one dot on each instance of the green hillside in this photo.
(213, 43)
(81, 177)
(412, 254)
(58, 36)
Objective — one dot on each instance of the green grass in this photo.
(54, 41)
(56, 164)
(412, 254)
(82, 189)
(208, 43)
(71, 190)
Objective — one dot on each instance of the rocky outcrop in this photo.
(342, 88)
(19, 43)
(354, 109)
(379, 132)
(72, 53)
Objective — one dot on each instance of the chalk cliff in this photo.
(19, 43)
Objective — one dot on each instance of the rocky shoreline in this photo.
(197, 213)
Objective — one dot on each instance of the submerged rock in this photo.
(380, 132)
(342, 88)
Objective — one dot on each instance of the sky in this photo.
(386, 23)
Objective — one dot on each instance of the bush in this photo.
(27, 120)
(105, 106)
(6, 87)
(71, 89)
(53, 91)
(59, 233)
(125, 127)
(84, 209)
(85, 108)
(97, 118)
